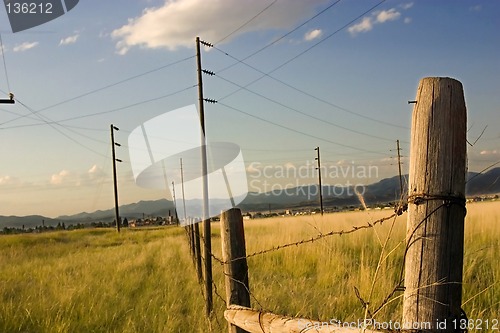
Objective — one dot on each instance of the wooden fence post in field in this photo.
(235, 262)
(197, 250)
(436, 197)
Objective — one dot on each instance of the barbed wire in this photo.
(400, 208)
(320, 236)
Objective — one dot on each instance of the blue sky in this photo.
(351, 67)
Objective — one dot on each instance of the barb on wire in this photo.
(364, 303)
(247, 289)
(368, 225)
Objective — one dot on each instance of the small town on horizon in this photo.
(135, 216)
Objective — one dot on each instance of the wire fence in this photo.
(400, 208)
(372, 309)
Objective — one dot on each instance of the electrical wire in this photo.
(280, 38)
(300, 132)
(264, 74)
(103, 88)
(306, 114)
(59, 131)
(102, 112)
(247, 22)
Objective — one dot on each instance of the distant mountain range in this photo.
(386, 190)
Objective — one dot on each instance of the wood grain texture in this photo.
(435, 226)
(234, 257)
(262, 322)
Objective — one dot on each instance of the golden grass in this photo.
(144, 280)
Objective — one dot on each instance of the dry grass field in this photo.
(143, 280)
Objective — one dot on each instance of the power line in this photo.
(295, 57)
(327, 37)
(300, 132)
(103, 88)
(280, 38)
(247, 22)
(102, 112)
(302, 92)
(306, 114)
(61, 132)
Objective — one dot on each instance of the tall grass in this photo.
(144, 280)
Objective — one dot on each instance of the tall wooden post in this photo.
(207, 234)
(115, 185)
(197, 250)
(435, 227)
(234, 256)
(320, 187)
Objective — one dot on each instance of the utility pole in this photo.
(182, 189)
(176, 217)
(113, 144)
(204, 170)
(319, 180)
(399, 165)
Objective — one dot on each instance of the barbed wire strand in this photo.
(368, 225)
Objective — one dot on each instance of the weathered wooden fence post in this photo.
(197, 250)
(235, 262)
(435, 227)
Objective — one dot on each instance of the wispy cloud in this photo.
(176, 23)
(387, 15)
(9, 180)
(476, 8)
(60, 178)
(69, 40)
(379, 17)
(24, 46)
(489, 152)
(406, 6)
(365, 25)
(313, 34)
(94, 175)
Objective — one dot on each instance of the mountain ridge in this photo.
(385, 190)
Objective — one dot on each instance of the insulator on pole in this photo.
(206, 43)
(206, 71)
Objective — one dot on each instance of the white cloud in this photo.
(9, 180)
(406, 6)
(489, 152)
(24, 46)
(69, 40)
(91, 177)
(313, 34)
(95, 172)
(177, 22)
(60, 178)
(476, 8)
(387, 15)
(379, 17)
(365, 25)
